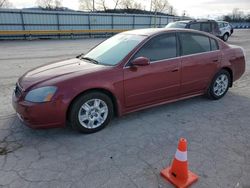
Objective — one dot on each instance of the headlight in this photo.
(42, 94)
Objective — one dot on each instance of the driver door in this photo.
(158, 81)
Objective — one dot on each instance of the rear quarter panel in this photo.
(233, 58)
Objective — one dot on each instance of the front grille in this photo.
(18, 90)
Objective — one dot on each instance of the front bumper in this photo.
(40, 115)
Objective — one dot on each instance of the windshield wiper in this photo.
(89, 59)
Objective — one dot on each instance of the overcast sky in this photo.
(195, 8)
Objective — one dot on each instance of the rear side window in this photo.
(206, 27)
(194, 43)
(159, 48)
(214, 44)
(195, 26)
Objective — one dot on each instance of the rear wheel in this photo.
(91, 112)
(219, 85)
(225, 37)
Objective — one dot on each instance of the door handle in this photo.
(215, 60)
(175, 70)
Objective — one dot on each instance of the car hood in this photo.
(67, 68)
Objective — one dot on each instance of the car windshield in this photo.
(114, 49)
(176, 25)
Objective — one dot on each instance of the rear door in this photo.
(158, 81)
(200, 60)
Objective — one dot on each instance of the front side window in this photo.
(194, 43)
(159, 48)
(114, 49)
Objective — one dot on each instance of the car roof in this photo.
(222, 21)
(155, 31)
(151, 31)
(148, 31)
(185, 21)
(196, 20)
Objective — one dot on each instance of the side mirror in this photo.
(80, 55)
(141, 61)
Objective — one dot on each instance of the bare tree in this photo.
(130, 4)
(137, 6)
(127, 4)
(160, 6)
(49, 4)
(87, 5)
(5, 4)
(101, 5)
(58, 3)
(237, 14)
(116, 3)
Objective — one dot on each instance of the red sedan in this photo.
(130, 71)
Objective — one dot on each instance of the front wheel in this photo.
(91, 112)
(219, 85)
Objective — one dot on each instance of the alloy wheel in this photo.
(220, 85)
(93, 113)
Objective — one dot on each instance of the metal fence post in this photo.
(23, 24)
(89, 24)
(112, 21)
(155, 20)
(58, 24)
(133, 22)
(150, 21)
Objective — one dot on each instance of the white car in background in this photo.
(225, 30)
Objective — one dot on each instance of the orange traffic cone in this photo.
(178, 173)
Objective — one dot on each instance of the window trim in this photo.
(216, 42)
(127, 64)
(179, 48)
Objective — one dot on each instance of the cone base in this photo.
(179, 183)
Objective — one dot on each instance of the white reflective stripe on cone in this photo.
(181, 156)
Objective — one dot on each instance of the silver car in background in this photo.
(225, 30)
(206, 25)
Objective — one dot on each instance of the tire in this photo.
(91, 112)
(225, 37)
(219, 85)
